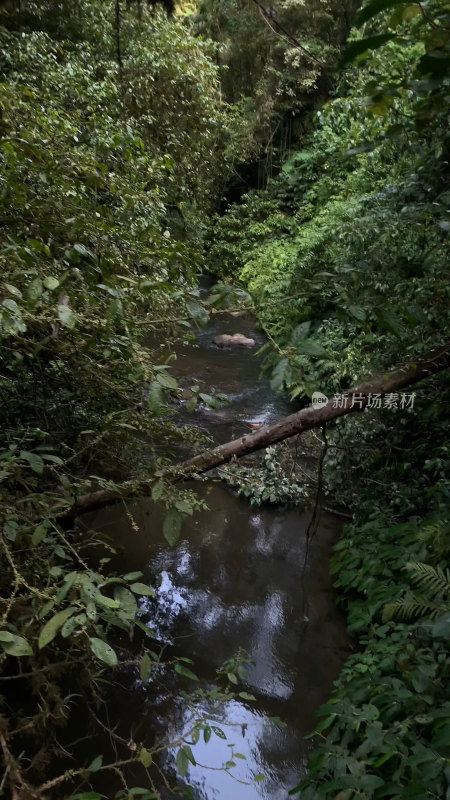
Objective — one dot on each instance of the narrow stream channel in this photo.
(234, 581)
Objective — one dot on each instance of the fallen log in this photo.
(354, 400)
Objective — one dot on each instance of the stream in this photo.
(235, 581)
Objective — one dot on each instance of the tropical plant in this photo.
(274, 480)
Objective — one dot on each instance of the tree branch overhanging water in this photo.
(294, 424)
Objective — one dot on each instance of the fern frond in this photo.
(408, 607)
(434, 532)
(433, 580)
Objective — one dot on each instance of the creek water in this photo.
(235, 581)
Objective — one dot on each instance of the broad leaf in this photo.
(15, 645)
(145, 758)
(363, 45)
(186, 672)
(172, 526)
(66, 316)
(375, 7)
(51, 283)
(96, 764)
(145, 667)
(103, 651)
(157, 491)
(35, 461)
(52, 627)
(197, 312)
(142, 589)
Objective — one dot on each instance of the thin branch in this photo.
(268, 19)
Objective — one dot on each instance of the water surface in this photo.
(236, 580)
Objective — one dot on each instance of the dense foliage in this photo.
(346, 255)
(277, 61)
(115, 142)
(277, 479)
(109, 163)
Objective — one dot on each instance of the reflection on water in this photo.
(236, 580)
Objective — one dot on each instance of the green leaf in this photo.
(375, 7)
(11, 530)
(259, 777)
(35, 289)
(81, 249)
(103, 651)
(211, 401)
(172, 526)
(357, 312)
(363, 45)
(182, 763)
(66, 316)
(51, 283)
(197, 312)
(280, 374)
(53, 459)
(436, 63)
(145, 758)
(232, 677)
(96, 764)
(167, 381)
(189, 754)
(15, 645)
(390, 321)
(13, 290)
(218, 731)
(142, 590)
(441, 737)
(247, 696)
(300, 332)
(371, 782)
(126, 600)
(181, 670)
(71, 625)
(11, 321)
(155, 400)
(39, 534)
(35, 461)
(157, 491)
(52, 627)
(207, 734)
(145, 667)
(132, 576)
(106, 602)
(311, 348)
